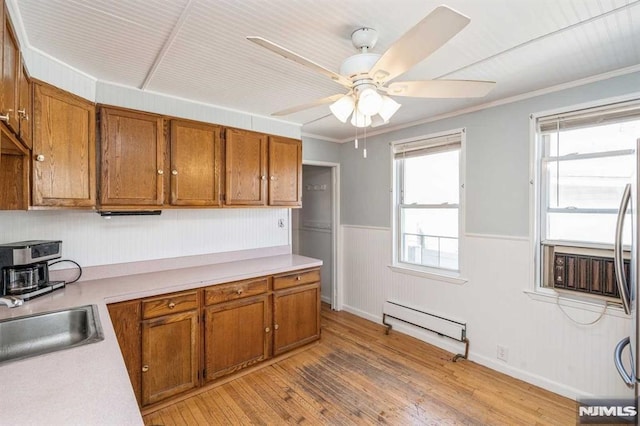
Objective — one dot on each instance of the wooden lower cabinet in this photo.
(169, 356)
(244, 323)
(125, 317)
(296, 317)
(236, 335)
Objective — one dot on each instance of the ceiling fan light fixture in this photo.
(388, 108)
(360, 120)
(343, 107)
(369, 101)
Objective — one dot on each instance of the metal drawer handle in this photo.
(172, 305)
(145, 368)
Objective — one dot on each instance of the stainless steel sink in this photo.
(38, 334)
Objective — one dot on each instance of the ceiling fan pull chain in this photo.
(364, 151)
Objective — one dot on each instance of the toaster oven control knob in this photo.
(39, 157)
(145, 368)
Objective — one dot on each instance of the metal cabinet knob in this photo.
(273, 178)
(39, 157)
(263, 178)
(298, 278)
(145, 368)
(22, 113)
(172, 305)
(174, 172)
(160, 172)
(240, 291)
(4, 117)
(276, 326)
(266, 330)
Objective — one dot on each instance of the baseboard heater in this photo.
(435, 323)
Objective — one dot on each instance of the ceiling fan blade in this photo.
(317, 102)
(286, 53)
(422, 40)
(441, 88)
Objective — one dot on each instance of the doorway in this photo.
(315, 225)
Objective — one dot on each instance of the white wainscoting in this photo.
(92, 240)
(366, 279)
(544, 347)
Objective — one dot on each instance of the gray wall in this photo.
(318, 150)
(497, 161)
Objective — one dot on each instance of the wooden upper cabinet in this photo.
(25, 107)
(132, 158)
(285, 172)
(10, 67)
(63, 149)
(14, 172)
(246, 168)
(196, 162)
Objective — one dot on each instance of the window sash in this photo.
(592, 117)
(424, 147)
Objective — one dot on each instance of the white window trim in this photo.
(535, 290)
(444, 275)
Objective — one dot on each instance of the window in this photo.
(584, 160)
(427, 202)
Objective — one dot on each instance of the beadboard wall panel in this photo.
(366, 277)
(92, 240)
(544, 346)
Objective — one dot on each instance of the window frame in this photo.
(537, 179)
(441, 274)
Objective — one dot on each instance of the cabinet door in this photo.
(246, 168)
(236, 335)
(285, 172)
(125, 317)
(14, 173)
(169, 356)
(195, 164)
(10, 66)
(63, 149)
(296, 317)
(25, 107)
(132, 158)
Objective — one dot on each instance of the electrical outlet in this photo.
(502, 353)
(280, 223)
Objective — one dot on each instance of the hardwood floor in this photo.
(358, 375)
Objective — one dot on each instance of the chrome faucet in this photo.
(11, 301)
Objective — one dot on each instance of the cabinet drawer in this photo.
(225, 292)
(169, 304)
(296, 278)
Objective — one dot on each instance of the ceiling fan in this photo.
(367, 76)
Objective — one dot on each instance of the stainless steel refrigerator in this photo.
(628, 285)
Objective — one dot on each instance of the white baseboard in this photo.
(455, 347)
(325, 299)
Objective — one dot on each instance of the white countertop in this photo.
(89, 385)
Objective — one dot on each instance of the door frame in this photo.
(337, 297)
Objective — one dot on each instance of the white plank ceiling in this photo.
(196, 49)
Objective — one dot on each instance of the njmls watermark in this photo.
(593, 411)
